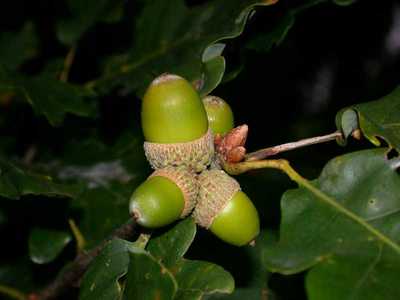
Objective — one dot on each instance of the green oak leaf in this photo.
(16, 182)
(85, 14)
(18, 47)
(265, 41)
(176, 42)
(376, 119)
(101, 280)
(171, 246)
(198, 278)
(195, 278)
(148, 278)
(101, 210)
(48, 96)
(347, 261)
(46, 244)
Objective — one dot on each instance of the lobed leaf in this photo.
(48, 96)
(198, 278)
(170, 247)
(376, 119)
(347, 261)
(18, 47)
(16, 182)
(176, 42)
(84, 14)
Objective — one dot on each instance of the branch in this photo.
(67, 64)
(266, 152)
(74, 272)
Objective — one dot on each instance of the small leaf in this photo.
(361, 264)
(18, 47)
(46, 244)
(213, 71)
(147, 278)
(170, 247)
(101, 280)
(380, 118)
(48, 96)
(15, 182)
(201, 277)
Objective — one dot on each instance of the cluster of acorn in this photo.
(179, 130)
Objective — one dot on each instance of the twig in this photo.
(69, 59)
(266, 152)
(79, 238)
(74, 272)
(284, 166)
(12, 292)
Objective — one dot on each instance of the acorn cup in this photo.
(224, 209)
(175, 125)
(167, 195)
(219, 114)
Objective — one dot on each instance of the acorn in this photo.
(167, 195)
(175, 125)
(219, 114)
(224, 209)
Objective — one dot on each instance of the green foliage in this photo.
(16, 48)
(71, 151)
(48, 96)
(46, 244)
(84, 14)
(176, 43)
(376, 119)
(315, 235)
(160, 272)
(16, 182)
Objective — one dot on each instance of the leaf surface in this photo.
(315, 235)
(376, 119)
(101, 280)
(176, 42)
(48, 96)
(46, 244)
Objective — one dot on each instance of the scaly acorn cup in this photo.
(224, 209)
(167, 195)
(219, 114)
(175, 125)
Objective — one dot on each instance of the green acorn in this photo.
(224, 209)
(175, 125)
(167, 195)
(219, 114)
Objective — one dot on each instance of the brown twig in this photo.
(266, 152)
(74, 272)
(67, 64)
